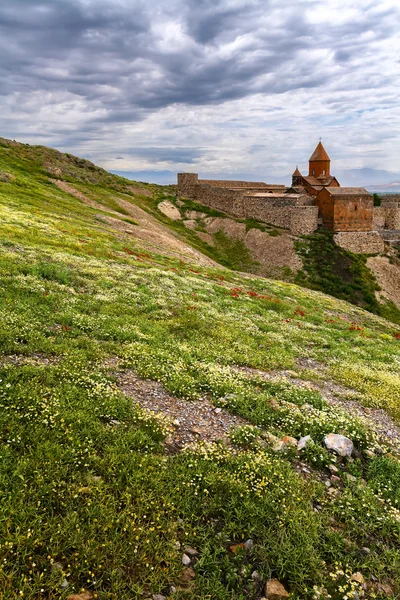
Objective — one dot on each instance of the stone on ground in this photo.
(339, 444)
(274, 590)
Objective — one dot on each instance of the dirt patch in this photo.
(140, 191)
(335, 394)
(206, 237)
(388, 278)
(231, 228)
(157, 237)
(192, 420)
(17, 360)
(66, 187)
(272, 252)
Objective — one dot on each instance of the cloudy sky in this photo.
(242, 88)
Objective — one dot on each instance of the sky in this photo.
(225, 88)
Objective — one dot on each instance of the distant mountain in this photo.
(372, 179)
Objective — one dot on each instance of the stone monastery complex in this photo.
(312, 201)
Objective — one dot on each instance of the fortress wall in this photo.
(303, 220)
(225, 200)
(360, 242)
(392, 217)
(387, 216)
(187, 183)
(275, 211)
(390, 198)
(379, 219)
(226, 183)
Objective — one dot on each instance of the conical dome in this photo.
(297, 173)
(319, 153)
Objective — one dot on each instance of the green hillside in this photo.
(100, 496)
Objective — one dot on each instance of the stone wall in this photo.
(271, 206)
(303, 220)
(222, 199)
(360, 242)
(353, 213)
(390, 198)
(187, 183)
(392, 217)
(387, 216)
(379, 219)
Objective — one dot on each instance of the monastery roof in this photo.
(296, 173)
(348, 191)
(319, 153)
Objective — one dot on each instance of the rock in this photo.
(289, 441)
(302, 443)
(168, 209)
(186, 560)
(335, 479)
(189, 551)
(196, 430)
(5, 177)
(274, 590)
(369, 453)
(384, 589)
(339, 444)
(333, 469)
(249, 545)
(187, 576)
(158, 597)
(350, 478)
(56, 566)
(328, 483)
(255, 576)
(217, 410)
(366, 550)
(190, 224)
(359, 577)
(64, 585)
(81, 596)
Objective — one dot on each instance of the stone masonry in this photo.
(312, 200)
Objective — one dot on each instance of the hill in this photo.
(152, 404)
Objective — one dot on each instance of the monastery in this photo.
(312, 201)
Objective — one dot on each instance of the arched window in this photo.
(323, 172)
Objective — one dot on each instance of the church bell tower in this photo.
(319, 163)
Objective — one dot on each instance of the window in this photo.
(323, 172)
(313, 173)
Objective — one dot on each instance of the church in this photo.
(339, 208)
(319, 173)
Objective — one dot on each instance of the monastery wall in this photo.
(360, 242)
(387, 216)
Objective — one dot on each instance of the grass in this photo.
(345, 275)
(90, 499)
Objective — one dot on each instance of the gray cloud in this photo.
(75, 72)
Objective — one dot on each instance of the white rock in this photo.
(339, 444)
(302, 443)
(249, 544)
(186, 560)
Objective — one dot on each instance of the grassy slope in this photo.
(102, 500)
